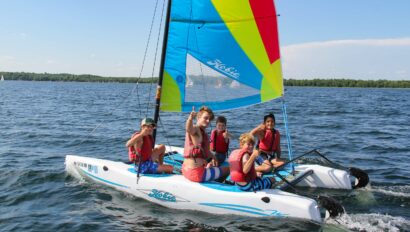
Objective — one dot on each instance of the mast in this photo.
(161, 71)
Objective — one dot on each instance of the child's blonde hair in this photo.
(246, 138)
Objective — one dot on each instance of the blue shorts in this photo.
(147, 167)
(265, 156)
(221, 157)
(257, 184)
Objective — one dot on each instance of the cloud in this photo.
(364, 42)
(6, 58)
(51, 62)
(23, 35)
(7, 62)
(355, 59)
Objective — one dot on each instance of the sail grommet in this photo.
(105, 168)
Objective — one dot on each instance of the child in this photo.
(268, 145)
(141, 151)
(196, 149)
(220, 139)
(242, 166)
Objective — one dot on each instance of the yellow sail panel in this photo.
(239, 19)
(272, 83)
(170, 96)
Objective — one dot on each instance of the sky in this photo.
(366, 39)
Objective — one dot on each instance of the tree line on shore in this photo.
(349, 83)
(66, 77)
(24, 76)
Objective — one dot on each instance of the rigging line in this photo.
(164, 131)
(186, 46)
(186, 51)
(167, 141)
(143, 60)
(289, 141)
(202, 73)
(133, 89)
(145, 53)
(200, 63)
(155, 58)
(109, 114)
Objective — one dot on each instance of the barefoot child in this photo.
(242, 166)
(269, 145)
(220, 139)
(141, 151)
(196, 149)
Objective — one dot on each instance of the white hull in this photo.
(324, 177)
(174, 191)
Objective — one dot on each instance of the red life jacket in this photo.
(236, 167)
(198, 151)
(270, 141)
(218, 143)
(145, 151)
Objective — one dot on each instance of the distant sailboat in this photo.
(218, 84)
(2, 78)
(189, 83)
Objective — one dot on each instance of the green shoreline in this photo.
(65, 77)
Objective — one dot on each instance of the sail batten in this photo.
(221, 53)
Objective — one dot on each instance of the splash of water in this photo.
(371, 222)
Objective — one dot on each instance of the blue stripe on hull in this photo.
(245, 209)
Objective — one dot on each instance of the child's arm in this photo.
(257, 131)
(226, 136)
(138, 137)
(189, 126)
(249, 161)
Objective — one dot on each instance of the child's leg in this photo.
(277, 162)
(215, 173)
(221, 158)
(263, 183)
(258, 184)
(158, 154)
(164, 168)
(265, 167)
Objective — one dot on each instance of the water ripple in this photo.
(365, 128)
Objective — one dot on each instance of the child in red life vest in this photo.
(220, 139)
(242, 166)
(196, 149)
(141, 150)
(268, 145)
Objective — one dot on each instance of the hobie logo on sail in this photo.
(217, 64)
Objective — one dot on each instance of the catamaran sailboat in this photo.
(238, 39)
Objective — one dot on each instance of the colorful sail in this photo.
(221, 53)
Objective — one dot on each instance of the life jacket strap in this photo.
(196, 151)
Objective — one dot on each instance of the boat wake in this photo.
(370, 222)
(395, 191)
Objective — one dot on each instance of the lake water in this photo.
(42, 122)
